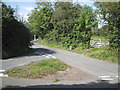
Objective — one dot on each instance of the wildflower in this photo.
(84, 33)
(88, 31)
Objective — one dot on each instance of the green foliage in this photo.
(83, 29)
(64, 17)
(15, 36)
(100, 39)
(56, 80)
(53, 44)
(70, 23)
(111, 14)
(106, 55)
(38, 69)
(103, 31)
(40, 19)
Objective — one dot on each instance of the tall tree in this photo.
(87, 20)
(111, 14)
(64, 18)
(15, 36)
(40, 18)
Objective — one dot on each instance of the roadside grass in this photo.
(105, 54)
(80, 50)
(56, 80)
(52, 44)
(38, 69)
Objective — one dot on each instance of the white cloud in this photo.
(24, 15)
(29, 8)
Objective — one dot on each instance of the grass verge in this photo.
(51, 44)
(105, 54)
(38, 69)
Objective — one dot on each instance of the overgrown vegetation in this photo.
(62, 25)
(110, 12)
(56, 80)
(75, 25)
(38, 69)
(66, 23)
(106, 54)
(15, 36)
(99, 39)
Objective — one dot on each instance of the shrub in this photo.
(15, 36)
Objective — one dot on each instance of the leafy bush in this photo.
(110, 13)
(15, 36)
(70, 23)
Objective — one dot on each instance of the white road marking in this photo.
(50, 55)
(47, 57)
(43, 55)
(53, 57)
(3, 75)
(117, 76)
(2, 71)
(106, 78)
(103, 76)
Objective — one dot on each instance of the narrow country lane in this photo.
(96, 68)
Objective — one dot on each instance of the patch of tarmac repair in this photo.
(71, 74)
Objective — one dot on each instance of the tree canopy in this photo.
(110, 12)
(15, 36)
(63, 22)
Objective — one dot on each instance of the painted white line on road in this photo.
(54, 57)
(117, 76)
(43, 55)
(47, 57)
(2, 71)
(107, 78)
(3, 75)
(103, 76)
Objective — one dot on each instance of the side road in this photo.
(95, 68)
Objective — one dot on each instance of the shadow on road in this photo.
(99, 84)
(41, 51)
(36, 52)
